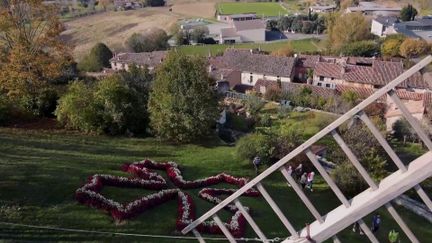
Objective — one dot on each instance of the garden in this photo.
(44, 172)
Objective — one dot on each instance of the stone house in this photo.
(151, 60)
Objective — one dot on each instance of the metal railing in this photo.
(356, 208)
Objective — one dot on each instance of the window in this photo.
(321, 78)
(327, 85)
(319, 84)
(332, 78)
(251, 78)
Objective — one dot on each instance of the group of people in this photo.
(393, 235)
(305, 179)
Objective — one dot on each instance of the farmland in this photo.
(260, 8)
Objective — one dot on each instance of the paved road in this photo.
(276, 35)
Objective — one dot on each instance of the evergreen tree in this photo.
(97, 59)
(182, 104)
(408, 13)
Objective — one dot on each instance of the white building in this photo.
(383, 25)
(244, 31)
(322, 9)
(374, 9)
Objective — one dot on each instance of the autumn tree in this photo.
(391, 45)
(346, 28)
(412, 48)
(182, 105)
(32, 55)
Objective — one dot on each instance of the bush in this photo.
(413, 48)
(391, 45)
(253, 145)
(5, 110)
(113, 106)
(239, 123)
(403, 131)
(265, 120)
(367, 48)
(348, 179)
(152, 40)
(97, 59)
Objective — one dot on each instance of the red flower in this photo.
(145, 178)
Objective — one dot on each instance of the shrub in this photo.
(113, 106)
(367, 48)
(265, 120)
(97, 59)
(286, 51)
(5, 110)
(253, 145)
(348, 179)
(152, 40)
(273, 94)
(413, 48)
(239, 123)
(391, 45)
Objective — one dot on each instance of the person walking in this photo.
(256, 163)
(310, 178)
(303, 180)
(393, 236)
(376, 222)
(356, 226)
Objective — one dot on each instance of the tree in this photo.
(105, 3)
(391, 45)
(286, 51)
(152, 40)
(114, 105)
(346, 28)
(255, 144)
(32, 55)
(182, 104)
(181, 38)
(366, 48)
(308, 27)
(284, 23)
(403, 131)
(413, 48)
(198, 34)
(97, 59)
(408, 13)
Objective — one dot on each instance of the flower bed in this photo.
(144, 177)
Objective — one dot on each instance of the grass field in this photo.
(260, 8)
(307, 45)
(40, 171)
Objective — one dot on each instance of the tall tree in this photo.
(97, 59)
(32, 54)
(182, 104)
(346, 28)
(408, 13)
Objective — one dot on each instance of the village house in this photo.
(383, 25)
(363, 72)
(374, 9)
(151, 60)
(243, 31)
(322, 8)
(243, 68)
(229, 18)
(420, 28)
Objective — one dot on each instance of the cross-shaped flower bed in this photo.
(143, 176)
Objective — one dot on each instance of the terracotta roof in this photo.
(151, 59)
(378, 73)
(307, 61)
(245, 61)
(249, 24)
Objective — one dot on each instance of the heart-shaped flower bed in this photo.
(144, 177)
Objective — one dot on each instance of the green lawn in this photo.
(307, 45)
(260, 8)
(40, 171)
